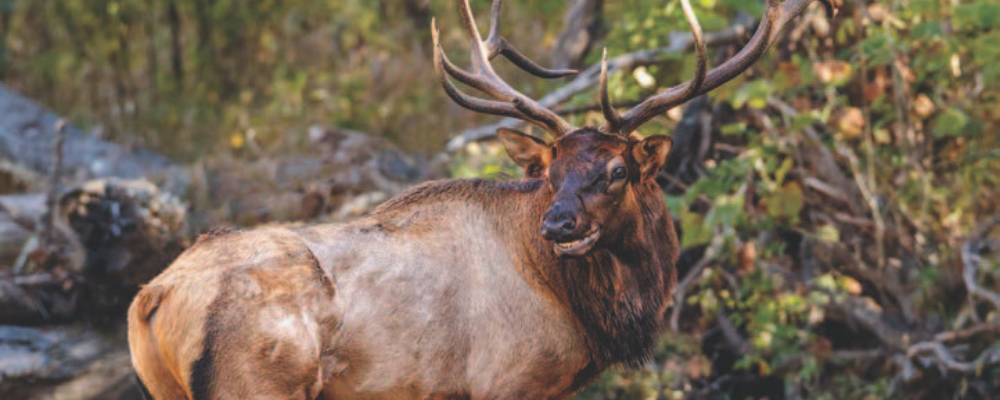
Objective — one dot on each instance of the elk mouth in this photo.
(578, 247)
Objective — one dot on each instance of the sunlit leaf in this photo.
(733, 129)
(694, 231)
(951, 122)
(727, 211)
(754, 94)
(986, 53)
(978, 15)
(786, 203)
(835, 73)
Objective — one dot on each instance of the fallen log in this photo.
(221, 191)
(295, 189)
(18, 214)
(65, 362)
(112, 236)
(27, 132)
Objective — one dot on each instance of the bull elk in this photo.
(464, 289)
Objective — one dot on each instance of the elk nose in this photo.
(558, 226)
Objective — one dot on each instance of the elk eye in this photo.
(618, 173)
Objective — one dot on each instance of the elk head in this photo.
(594, 174)
(593, 177)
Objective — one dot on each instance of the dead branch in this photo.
(825, 188)
(821, 158)
(865, 312)
(48, 235)
(692, 145)
(711, 252)
(109, 237)
(597, 107)
(36, 279)
(947, 360)
(88, 361)
(966, 333)
(838, 356)
(839, 255)
(17, 304)
(583, 27)
(971, 260)
(729, 332)
(865, 183)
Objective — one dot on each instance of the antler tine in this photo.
(442, 65)
(508, 102)
(613, 120)
(661, 103)
(776, 17)
(699, 43)
(497, 45)
(480, 59)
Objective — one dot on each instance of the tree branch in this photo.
(710, 254)
(946, 359)
(971, 260)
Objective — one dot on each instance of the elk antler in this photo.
(614, 121)
(508, 102)
(776, 16)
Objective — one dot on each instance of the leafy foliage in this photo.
(192, 77)
(846, 170)
(907, 97)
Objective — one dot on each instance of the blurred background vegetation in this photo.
(822, 220)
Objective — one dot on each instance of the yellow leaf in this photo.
(236, 140)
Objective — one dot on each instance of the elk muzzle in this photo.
(566, 224)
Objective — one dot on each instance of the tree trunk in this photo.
(176, 53)
(584, 27)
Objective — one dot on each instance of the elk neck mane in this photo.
(619, 292)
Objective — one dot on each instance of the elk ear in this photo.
(651, 153)
(531, 153)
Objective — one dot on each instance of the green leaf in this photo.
(779, 175)
(754, 93)
(756, 8)
(694, 231)
(727, 211)
(979, 15)
(924, 6)
(677, 204)
(986, 54)
(951, 122)
(803, 120)
(491, 169)
(819, 298)
(926, 30)
(828, 233)
(733, 129)
(986, 49)
(877, 48)
(786, 203)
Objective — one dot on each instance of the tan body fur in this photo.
(433, 296)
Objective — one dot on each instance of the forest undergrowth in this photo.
(837, 204)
